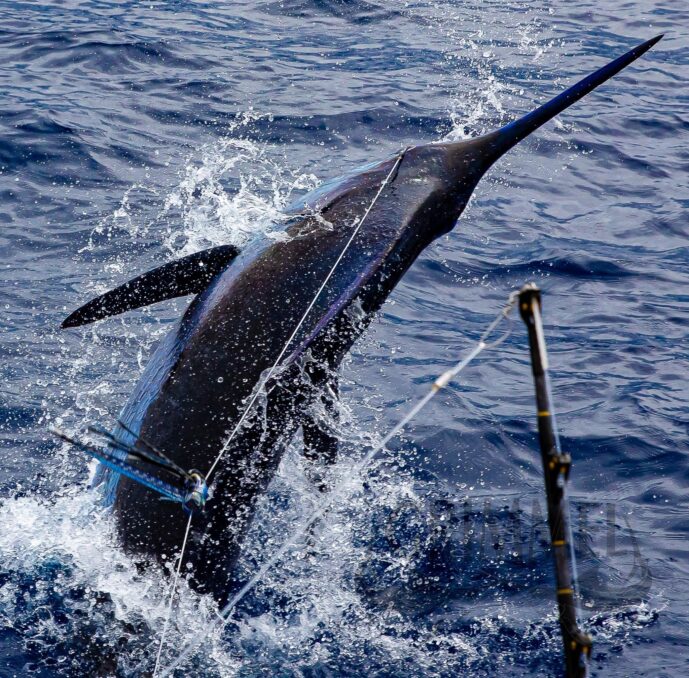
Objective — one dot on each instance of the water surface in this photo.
(132, 133)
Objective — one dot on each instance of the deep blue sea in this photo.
(132, 133)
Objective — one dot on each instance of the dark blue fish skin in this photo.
(198, 381)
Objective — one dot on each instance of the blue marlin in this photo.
(248, 303)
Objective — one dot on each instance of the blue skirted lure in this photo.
(189, 488)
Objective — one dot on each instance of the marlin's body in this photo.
(202, 375)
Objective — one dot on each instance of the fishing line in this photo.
(173, 588)
(271, 371)
(339, 493)
(265, 380)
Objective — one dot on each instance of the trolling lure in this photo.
(189, 488)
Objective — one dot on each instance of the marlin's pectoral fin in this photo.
(189, 275)
(320, 442)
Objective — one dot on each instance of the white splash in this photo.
(236, 189)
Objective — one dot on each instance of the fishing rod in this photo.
(556, 468)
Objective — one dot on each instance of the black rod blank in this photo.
(556, 466)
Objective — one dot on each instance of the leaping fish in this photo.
(289, 302)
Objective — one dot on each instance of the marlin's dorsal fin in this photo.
(189, 275)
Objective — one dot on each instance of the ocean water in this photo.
(132, 133)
